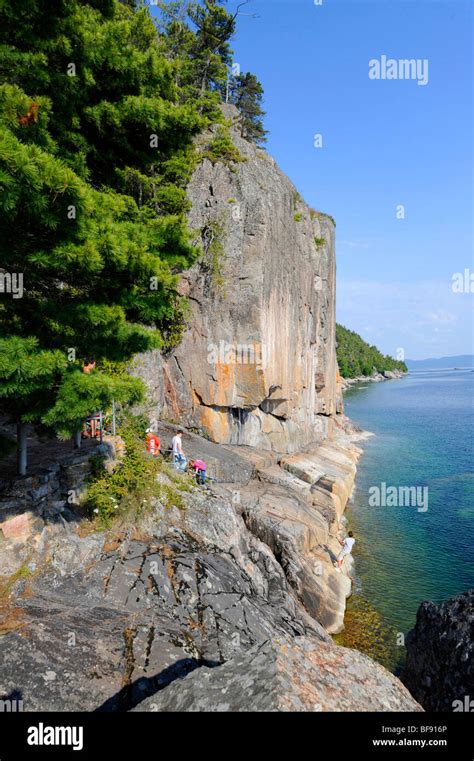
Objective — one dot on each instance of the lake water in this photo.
(423, 426)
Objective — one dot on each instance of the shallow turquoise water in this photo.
(424, 437)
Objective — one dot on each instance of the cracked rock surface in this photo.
(288, 675)
(145, 611)
(226, 590)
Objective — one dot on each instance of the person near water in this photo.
(347, 545)
(199, 467)
(152, 442)
(179, 458)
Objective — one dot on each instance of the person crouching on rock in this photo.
(347, 545)
(199, 467)
(179, 459)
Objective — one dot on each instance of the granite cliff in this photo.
(257, 364)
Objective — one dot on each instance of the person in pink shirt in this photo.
(199, 467)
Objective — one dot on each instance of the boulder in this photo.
(439, 668)
(287, 675)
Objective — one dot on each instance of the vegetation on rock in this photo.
(221, 147)
(246, 93)
(137, 482)
(213, 236)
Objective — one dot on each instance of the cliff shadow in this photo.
(134, 693)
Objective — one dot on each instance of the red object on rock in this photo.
(152, 443)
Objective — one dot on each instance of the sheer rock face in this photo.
(257, 365)
(439, 668)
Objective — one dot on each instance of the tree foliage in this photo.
(196, 36)
(355, 357)
(98, 114)
(246, 93)
(96, 148)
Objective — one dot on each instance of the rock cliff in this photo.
(257, 364)
(256, 369)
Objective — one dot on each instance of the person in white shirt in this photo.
(347, 545)
(179, 459)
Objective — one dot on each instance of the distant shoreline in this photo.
(452, 362)
(439, 369)
(347, 383)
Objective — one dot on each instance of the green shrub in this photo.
(133, 486)
(213, 235)
(296, 199)
(319, 242)
(221, 147)
(298, 217)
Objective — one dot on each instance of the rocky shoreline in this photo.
(375, 378)
(236, 585)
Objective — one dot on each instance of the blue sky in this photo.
(385, 143)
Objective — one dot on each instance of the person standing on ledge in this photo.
(179, 459)
(347, 545)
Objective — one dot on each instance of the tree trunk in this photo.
(77, 439)
(21, 432)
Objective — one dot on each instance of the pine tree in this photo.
(211, 51)
(95, 154)
(246, 93)
(98, 113)
(197, 37)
